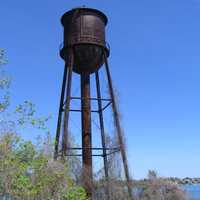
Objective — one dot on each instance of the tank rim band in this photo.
(71, 12)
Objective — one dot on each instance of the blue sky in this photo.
(155, 66)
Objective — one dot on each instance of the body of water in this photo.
(193, 191)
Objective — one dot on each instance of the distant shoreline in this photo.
(178, 181)
(185, 181)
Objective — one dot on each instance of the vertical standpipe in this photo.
(86, 133)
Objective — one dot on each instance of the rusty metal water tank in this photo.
(84, 30)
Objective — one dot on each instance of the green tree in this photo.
(4, 83)
(27, 172)
(24, 114)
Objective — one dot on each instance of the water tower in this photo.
(85, 51)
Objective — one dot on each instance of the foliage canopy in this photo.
(27, 171)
